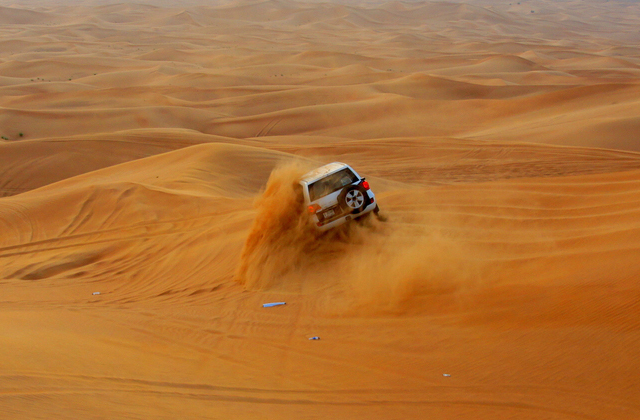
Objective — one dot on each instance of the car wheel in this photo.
(353, 199)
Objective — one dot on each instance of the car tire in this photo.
(353, 199)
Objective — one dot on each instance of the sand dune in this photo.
(150, 151)
(19, 16)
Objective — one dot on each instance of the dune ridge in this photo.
(148, 163)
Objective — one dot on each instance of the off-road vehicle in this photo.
(335, 194)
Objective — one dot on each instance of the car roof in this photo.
(322, 171)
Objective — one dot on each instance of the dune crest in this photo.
(149, 158)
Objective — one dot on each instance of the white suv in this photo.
(335, 194)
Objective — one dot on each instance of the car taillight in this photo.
(365, 184)
(313, 208)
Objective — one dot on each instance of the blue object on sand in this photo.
(314, 338)
(268, 305)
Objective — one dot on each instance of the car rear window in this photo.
(331, 183)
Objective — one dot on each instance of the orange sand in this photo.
(501, 139)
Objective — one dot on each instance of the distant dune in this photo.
(148, 163)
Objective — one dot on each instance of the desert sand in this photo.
(147, 212)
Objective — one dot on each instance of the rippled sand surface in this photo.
(147, 160)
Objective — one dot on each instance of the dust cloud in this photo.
(279, 234)
(374, 265)
(396, 271)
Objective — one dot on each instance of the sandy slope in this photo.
(149, 152)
